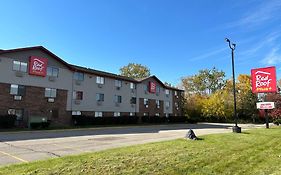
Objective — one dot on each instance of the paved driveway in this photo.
(18, 147)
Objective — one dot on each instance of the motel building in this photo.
(34, 82)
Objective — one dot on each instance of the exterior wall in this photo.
(90, 88)
(34, 103)
(154, 96)
(178, 110)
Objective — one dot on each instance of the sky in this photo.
(174, 38)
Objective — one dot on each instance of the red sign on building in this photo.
(38, 66)
(152, 87)
(264, 80)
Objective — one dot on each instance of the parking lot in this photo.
(27, 146)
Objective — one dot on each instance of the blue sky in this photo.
(174, 38)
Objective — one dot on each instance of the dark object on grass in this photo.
(191, 135)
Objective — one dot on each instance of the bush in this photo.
(177, 119)
(154, 119)
(277, 121)
(7, 121)
(39, 125)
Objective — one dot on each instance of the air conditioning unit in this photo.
(51, 100)
(100, 85)
(77, 102)
(177, 96)
(146, 106)
(78, 82)
(99, 103)
(19, 74)
(17, 97)
(177, 108)
(158, 106)
(52, 78)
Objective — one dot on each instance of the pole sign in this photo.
(38, 66)
(264, 80)
(265, 105)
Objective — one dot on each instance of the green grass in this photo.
(255, 151)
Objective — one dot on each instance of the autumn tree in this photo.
(207, 81)
(134, 70)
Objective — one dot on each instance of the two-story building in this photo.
(36, 82)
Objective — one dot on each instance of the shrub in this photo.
(7, 121)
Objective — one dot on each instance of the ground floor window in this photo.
(76, 112)
(98, 114)
(17, 112)
(132, 114)
(116, 114)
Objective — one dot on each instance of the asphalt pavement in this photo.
(27, 146)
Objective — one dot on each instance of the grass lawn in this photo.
(255, 151)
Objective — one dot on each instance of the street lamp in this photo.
(232, 46)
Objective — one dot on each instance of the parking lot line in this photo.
(15, 157)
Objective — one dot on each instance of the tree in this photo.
(207, 81)
(134, 70)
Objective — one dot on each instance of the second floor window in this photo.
(99, 97)
(145, 101)
(78, 95)
(133, 100)
(167, 104)
(78, 76)
(52, 71)
(117, 99)
(158, 103)
(51, 93)
(19, 66)
(98, 114)
(100, 80)
(167, 92)
(132, 86)
(157, 89)
(118, 83)
(17, 90)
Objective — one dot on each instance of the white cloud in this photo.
(273, 58)
(208, 54)
(266, 11)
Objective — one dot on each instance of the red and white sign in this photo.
(152, 87)
(38, 66)
(265, 105)
(264, 80)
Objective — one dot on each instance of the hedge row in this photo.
(7, 121)
(90, 120)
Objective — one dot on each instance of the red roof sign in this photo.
(152, 87)
(38, 66)
(264, 80)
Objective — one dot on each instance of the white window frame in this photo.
(157, 103)
(145, 101)
(167, 91)
(118, 83)
(100, 80)
(51, 72)
(50, 92)
(21, 66)
(167, 104)
(76, 113)
(78, 76)
(98, 114)
(132, 85)
(98, 97)
(118, 99)
(116, 114)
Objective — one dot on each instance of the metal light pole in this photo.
(232, 46)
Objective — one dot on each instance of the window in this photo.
(176, 105)
(19, 66)
(78, 76)
(117, 99)
(157, 89)
(78, 95)
(157, 114)
(158, 103)
(167, 104)
(132, 114)
(76, 112)
(17, 90)
(99, 97)
(51, 93)
(145, 114)
(17, 112)
(133, 100)
(98, 114)
(100, 80)
(132, 86)
(116, 114)
(145, 87)
(167, 92)
(53, 72)
(145, 101)
(118, 83)
(176, 93)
